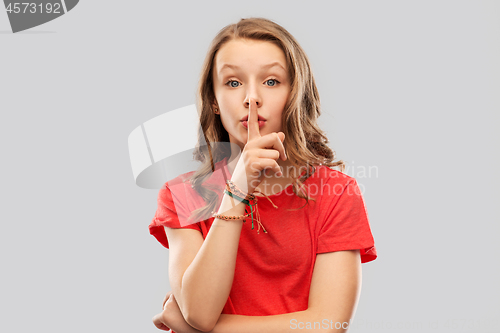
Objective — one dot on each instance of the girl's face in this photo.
(249, 69)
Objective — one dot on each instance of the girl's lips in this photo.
(245, 123)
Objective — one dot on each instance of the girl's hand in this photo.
(157, 320)
(260, 154)
(166, 299)
(172, 318)
(160, 320)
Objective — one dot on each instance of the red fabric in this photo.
(273, 271)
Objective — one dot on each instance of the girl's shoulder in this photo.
(329, 182)
(184, 178)
(182, 186)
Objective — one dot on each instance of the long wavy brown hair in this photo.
(305, 144)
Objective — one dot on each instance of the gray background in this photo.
(410, 88)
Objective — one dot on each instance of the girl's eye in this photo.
(272, 82)
(236, 84)
(232, 83)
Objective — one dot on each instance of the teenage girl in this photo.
(265, 236)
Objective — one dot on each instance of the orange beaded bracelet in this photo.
(227, 218)
(236, 193)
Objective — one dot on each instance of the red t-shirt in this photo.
(274, 270)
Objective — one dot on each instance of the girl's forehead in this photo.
(242, 52)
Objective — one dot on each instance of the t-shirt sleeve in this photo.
(345, 223)
(167, 215)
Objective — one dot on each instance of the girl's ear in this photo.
(215, 107)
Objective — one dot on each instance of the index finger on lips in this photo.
(253, 121)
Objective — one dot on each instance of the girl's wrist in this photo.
(231, 206)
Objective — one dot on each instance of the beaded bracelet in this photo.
(227, 218)
(233, 191)
(231, 188)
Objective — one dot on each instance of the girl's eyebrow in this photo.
(273, 64)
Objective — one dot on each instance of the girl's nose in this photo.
(253, 94)
(256, 100)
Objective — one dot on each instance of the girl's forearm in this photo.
(306, 320)
(207, 282)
